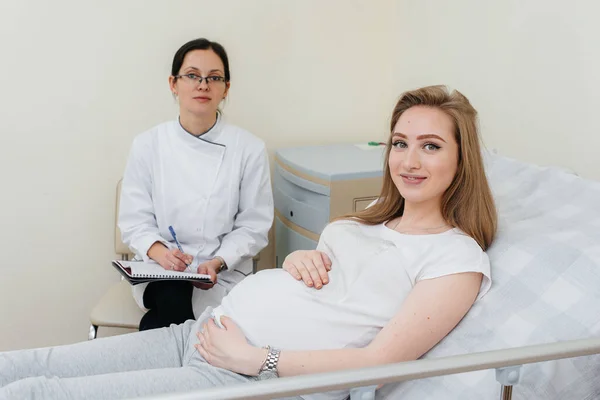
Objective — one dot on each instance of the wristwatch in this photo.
(268, 370)
(223, 266)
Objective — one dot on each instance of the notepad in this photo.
(136, 272)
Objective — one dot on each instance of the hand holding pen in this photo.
(181, 261)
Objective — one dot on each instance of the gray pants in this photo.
(133, 365)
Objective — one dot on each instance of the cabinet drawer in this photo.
(305, 208)
(288, 240)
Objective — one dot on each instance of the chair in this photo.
(117, 308)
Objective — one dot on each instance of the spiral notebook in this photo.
(136, 272)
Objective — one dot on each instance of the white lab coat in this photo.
(215, 190)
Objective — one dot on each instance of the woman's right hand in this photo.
(173, 260)
(310, 266)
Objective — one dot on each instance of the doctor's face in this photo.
(195, 97)
(424, 155)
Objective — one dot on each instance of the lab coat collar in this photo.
(209, 136)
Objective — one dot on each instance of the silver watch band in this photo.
(270, 364)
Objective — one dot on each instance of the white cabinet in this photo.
(314, 184)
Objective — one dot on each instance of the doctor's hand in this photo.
(228, 348)
(310, 266)
(173, 260)
(209, 267)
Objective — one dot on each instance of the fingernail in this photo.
(298, 277)
(318, 286)
(325, 281)
(310, 283)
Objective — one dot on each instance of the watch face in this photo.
(267, 374)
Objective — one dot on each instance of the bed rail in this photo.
(366, 379)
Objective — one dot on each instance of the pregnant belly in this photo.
(272, 308)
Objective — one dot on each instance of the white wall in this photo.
(80, 79)
(529, 67)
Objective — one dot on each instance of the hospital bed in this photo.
(535, 335)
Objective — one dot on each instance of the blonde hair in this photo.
(467, 203)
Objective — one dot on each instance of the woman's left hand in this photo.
(228, 348)
(208, 268)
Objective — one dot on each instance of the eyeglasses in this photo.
(193, 78)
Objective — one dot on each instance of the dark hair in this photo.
(200, 44)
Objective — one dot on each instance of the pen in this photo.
(177, 242)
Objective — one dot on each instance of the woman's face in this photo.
(200, 98)
(424, 155)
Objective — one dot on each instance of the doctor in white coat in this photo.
(208, 179)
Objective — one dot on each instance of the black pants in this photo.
(168, 302)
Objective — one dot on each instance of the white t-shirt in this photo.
(373, 270)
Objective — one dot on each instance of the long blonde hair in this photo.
(467, 203)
